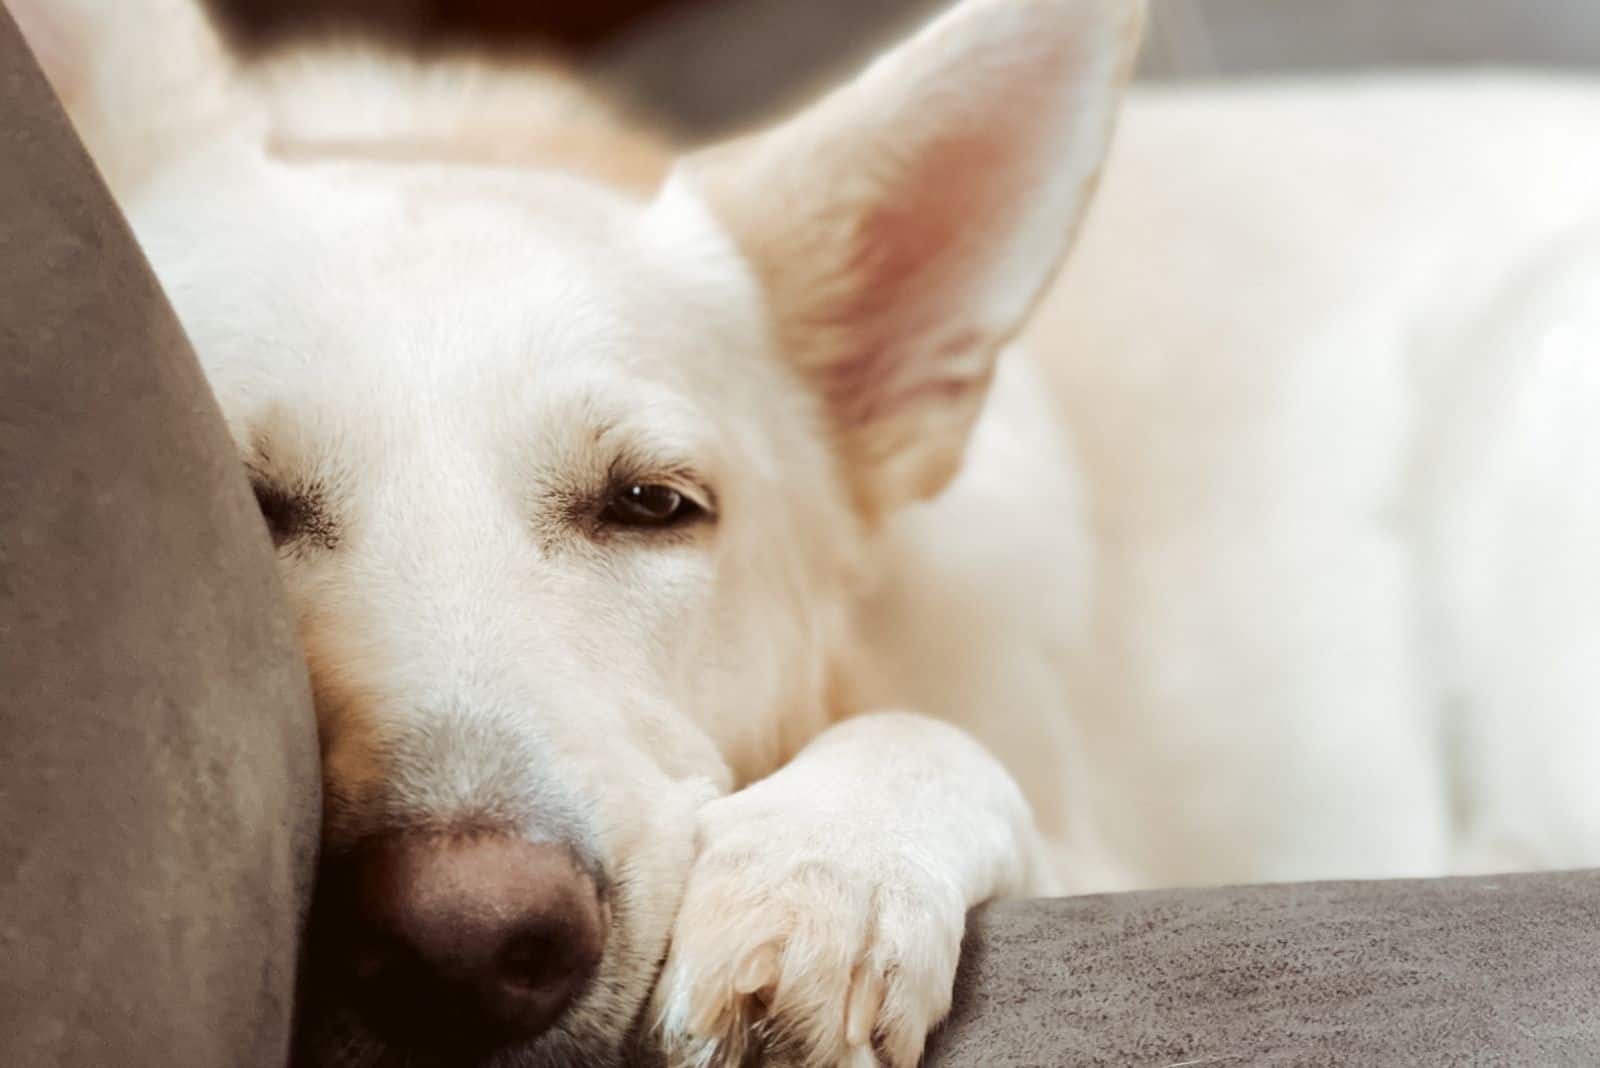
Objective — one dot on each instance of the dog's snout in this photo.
(464, 945)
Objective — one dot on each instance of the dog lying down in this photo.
(706, 602)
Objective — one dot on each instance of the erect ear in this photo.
(904, 226)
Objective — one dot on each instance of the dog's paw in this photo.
(803, 941)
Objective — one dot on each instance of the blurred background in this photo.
(707, 65)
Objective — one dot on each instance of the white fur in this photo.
(1270, 557)
(1288, 352)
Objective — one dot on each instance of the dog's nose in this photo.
(464, 945)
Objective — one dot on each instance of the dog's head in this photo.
(570, 489)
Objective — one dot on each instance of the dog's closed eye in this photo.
(293, 516)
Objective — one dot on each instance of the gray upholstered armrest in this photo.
(158, 775)
(1502, 971)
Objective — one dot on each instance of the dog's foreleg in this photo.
(825, 911)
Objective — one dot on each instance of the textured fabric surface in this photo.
(1501, 971)
(158, 793)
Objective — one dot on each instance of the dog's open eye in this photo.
(648, 505)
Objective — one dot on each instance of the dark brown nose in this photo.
(465, 945)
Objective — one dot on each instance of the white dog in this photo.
(647, 540)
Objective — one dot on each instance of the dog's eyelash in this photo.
(636, 471)
(293, 515)
(590, 511)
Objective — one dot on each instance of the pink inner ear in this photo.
(922, 259)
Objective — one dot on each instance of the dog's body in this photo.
(1269, 557)
(1323, 368)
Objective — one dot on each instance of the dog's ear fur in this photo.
(904, 226)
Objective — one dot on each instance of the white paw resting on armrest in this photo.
(823, 919)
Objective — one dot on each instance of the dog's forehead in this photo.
(456, 285)
(469, 269)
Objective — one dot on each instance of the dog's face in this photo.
(564, 538)
(571, 490)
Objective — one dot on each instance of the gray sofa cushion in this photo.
(710, 66)
(1448, 972)
(158, 779)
